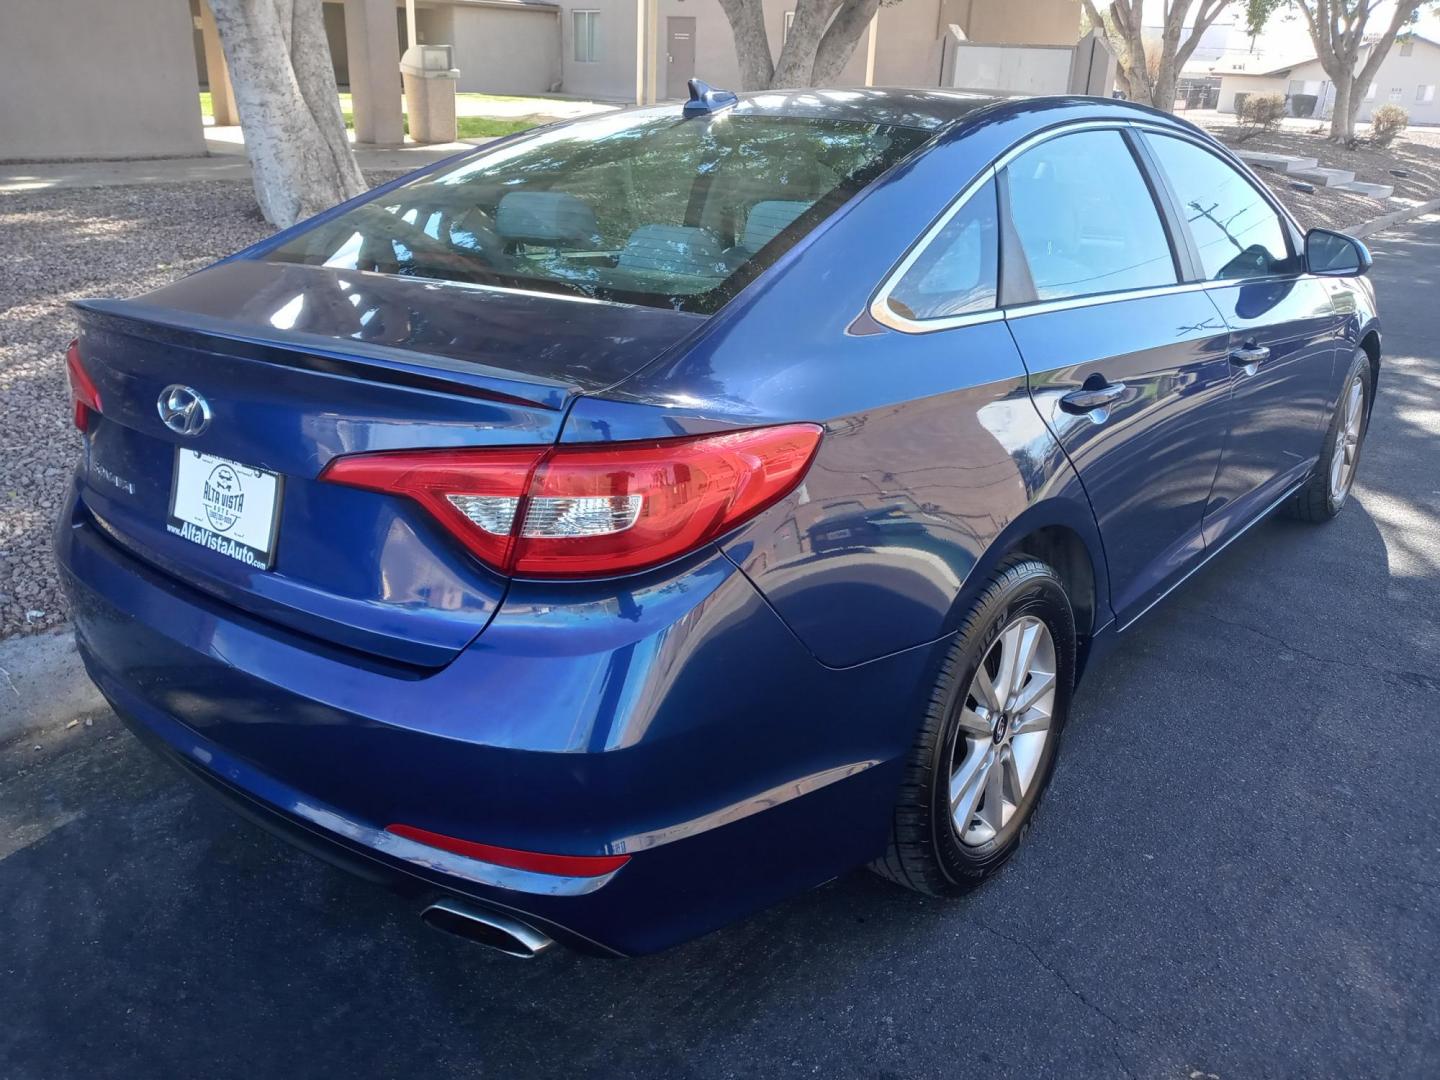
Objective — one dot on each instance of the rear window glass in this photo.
(664, 211)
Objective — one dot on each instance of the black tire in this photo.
(925, 852)
(1316, 501)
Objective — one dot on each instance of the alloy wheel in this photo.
(1347, 441)
(1005, 724)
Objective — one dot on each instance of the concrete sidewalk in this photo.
(43, 683)
(225, 160)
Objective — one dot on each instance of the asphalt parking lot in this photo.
(1236, 872)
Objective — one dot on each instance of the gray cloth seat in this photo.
(768, 219)
(547, 218)
(674, 249)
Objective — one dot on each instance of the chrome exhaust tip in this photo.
(488, 928)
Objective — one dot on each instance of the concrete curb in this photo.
(1395, 217)
(43, 682)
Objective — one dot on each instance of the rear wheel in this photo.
(988, 741)
(1324, 494)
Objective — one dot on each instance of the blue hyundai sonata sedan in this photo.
(618, 528)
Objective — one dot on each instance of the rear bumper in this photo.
(677, 722)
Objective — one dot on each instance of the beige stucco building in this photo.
(1409, 76)
(83, 79)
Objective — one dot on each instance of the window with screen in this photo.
(586, 24)
(1085, 219)
(1237, 232)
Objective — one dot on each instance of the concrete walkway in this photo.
(224, 161)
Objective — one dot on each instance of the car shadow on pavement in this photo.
(149, 932)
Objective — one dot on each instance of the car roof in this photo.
(926, 109)
(930, 109)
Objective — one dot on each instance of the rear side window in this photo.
(956, 272)
(660, 210)
(1085, 219)
(1237, 232)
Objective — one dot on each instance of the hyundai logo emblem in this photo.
(183, 410)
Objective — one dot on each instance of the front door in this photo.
(679, 55)
(1283, 332)
(1130, 373)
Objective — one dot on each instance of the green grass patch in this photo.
(470, 127)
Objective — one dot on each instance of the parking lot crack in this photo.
(1410, 678)
(1070, 988)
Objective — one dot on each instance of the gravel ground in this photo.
(61, 246)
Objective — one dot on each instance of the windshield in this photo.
(664, 211)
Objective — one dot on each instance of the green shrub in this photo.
(1386, 122)
(1258, 112)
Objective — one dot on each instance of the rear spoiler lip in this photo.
(328, 355)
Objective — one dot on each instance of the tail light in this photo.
(594, 510)
(84, 397)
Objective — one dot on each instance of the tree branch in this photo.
(840, 39)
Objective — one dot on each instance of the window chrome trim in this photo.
(882, 313)
(1067, 303)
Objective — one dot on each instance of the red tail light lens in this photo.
(84, 397)
(595, 510)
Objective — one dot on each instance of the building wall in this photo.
(504, 52)
(334, 16)
(907, 53)
(1230, 85)
(612, 76)
(85, 80)
(907, 49)
(1403, 73)
(1406, 73)
(1017, 22)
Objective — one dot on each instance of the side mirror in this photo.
(1335, 254)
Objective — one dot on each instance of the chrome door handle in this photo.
(1083, 401)
(1247, 356)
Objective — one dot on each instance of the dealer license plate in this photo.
(230, 508)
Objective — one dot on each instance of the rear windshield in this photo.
(663, 211)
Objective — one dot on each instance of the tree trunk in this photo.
(289, 106)
(1162, 94)
(796, 65)
(822, 38)
(838, 44)
(1347, 104)
(1123, 25)
(752, 44)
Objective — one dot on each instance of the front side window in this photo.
(1085, 218)
(1237, 232)
(586, 23)
(666, 211)
(1425, 93)
(956, 272)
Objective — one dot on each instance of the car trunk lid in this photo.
(298, 365)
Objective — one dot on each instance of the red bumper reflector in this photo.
(533, 861)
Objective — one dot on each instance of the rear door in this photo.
(1284, 330)
(1128, 368)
